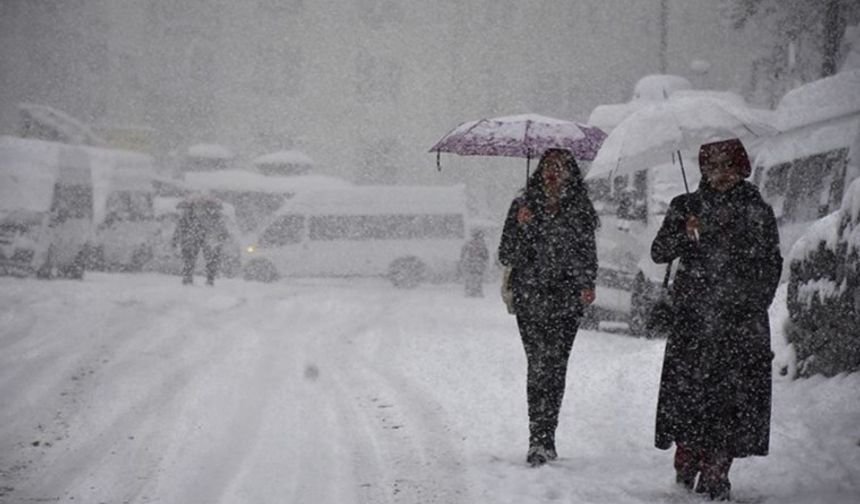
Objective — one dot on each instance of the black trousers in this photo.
(547, 342)
(211, 255)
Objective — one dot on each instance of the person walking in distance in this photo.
(474, 257)
(201, 227)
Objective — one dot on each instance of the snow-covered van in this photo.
(124, 235)
(46, 207)
(406, 233)
(803, 171)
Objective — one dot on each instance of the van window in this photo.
(71, 201)
(806, 188)
(386, 227)
(124, 206)
(286, 230)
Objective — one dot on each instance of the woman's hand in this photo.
(693, 228)
(586, 296)
(524, 215)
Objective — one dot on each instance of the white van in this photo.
(123, 238)
(803, 171)
(408, 234)
(46, 208)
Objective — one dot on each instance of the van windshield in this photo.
(71, 201)
(386, 227)
(286, 230)
(123, 206)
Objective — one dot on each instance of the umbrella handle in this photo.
(528, 162)
(438, 161)
(683, 172)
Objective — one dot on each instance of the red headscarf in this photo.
(733, 149)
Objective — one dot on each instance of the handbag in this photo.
(662, 316)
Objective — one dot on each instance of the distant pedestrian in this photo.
(715, 390)
(474, 257)
(548, 243)
(200, 228)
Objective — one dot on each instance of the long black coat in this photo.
(715, 390)
(553, 257)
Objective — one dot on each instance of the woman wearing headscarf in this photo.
(548, 242)
(715, 390)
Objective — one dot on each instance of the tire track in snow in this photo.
(403, 452)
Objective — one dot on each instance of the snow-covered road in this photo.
(134, 389)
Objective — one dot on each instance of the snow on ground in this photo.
(134, 389)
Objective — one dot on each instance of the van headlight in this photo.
(251, 249)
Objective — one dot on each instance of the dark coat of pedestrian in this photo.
(474, 258)
(715, 391)
(548, 242)
(200, 227)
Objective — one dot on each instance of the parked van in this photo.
(123, 239)
(408, 234)
(46, 208)
(803, 171)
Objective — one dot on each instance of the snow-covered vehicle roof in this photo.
(817, 101)
(286, 157)
(818, 117)
(209, 151)
(243, 180)
(608, 116)
(659, 86)
(380, 200)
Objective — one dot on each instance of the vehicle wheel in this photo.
(260, 270)
(94, 258)
(407, 272)
(230, 266)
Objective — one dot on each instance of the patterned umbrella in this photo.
(527, 136)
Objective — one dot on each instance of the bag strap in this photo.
(668, 274)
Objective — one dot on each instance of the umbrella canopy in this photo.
(654, 134)
(527, 135)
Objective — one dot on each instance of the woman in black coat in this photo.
(548, 242)
(715, 390)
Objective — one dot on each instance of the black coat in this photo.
(553, 257)
(715, 389)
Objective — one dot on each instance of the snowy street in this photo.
(132, 388)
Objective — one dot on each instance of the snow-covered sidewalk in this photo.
(131, 388)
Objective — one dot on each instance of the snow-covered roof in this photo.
(70, 129)
(243, 180)
(376, 200)
(607, 117)
(827, 98)
(286, 157)
(659, 87)
(210, 151)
